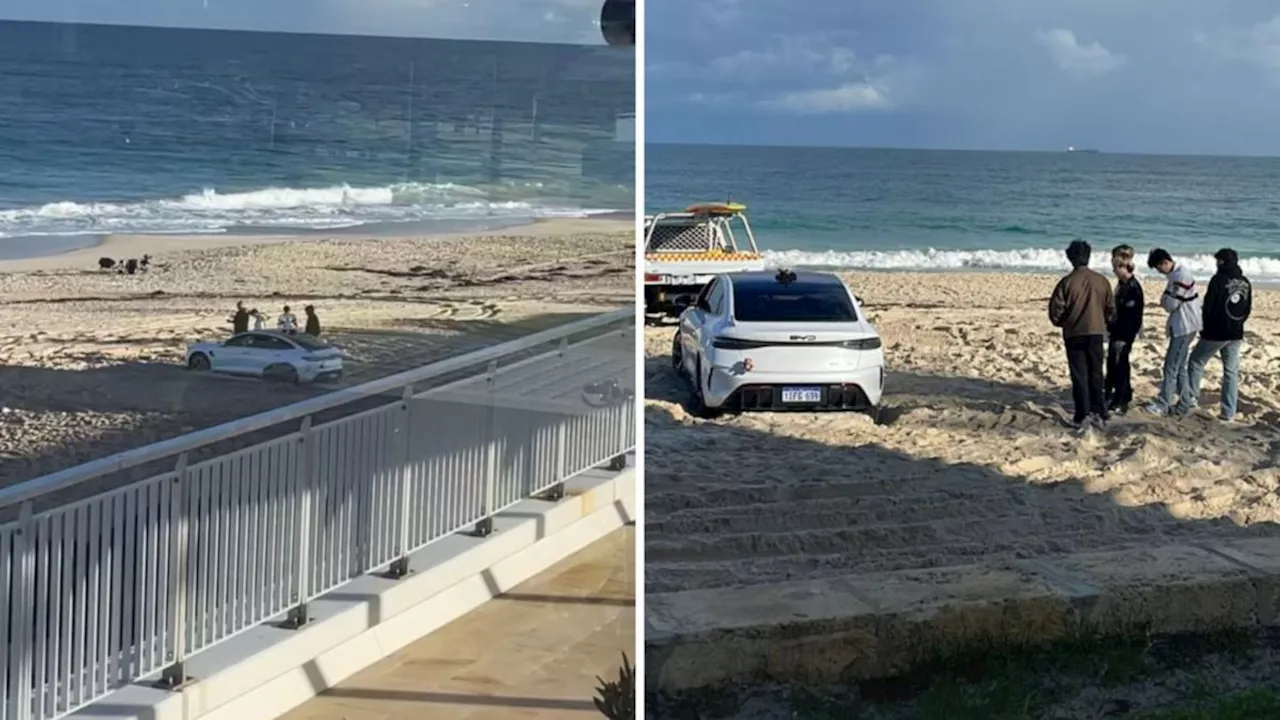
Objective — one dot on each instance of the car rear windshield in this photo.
(793, 303)
(310, 343)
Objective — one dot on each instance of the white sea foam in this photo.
(1027, 260)
(318, 208)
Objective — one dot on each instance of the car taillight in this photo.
(652, 277)
(872, 343)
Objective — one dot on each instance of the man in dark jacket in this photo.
(240, 320)
(1123, 330)
(1227, 305)
(313, 321)
(1083, 306)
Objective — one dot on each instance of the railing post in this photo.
(400, 566)
(305, 484)
(24, 555)
(619, 462)
(484, 528)
(174, 675)
(556, 491)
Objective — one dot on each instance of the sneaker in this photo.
(1099, 421)
(1079, 424)
(1157, 409)
(1118, 409)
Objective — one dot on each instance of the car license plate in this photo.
(682, 280)
(801, 395)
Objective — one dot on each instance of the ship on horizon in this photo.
(1074, 149)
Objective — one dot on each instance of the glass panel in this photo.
(111, 129)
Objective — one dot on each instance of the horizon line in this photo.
(312, 33)
(1089, 150)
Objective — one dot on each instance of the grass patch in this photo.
(1017, 683)
(1257, 704)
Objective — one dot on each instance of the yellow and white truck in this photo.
(684, 250)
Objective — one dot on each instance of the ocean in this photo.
(962, 210)
(110, 129)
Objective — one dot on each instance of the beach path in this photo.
(533, 653)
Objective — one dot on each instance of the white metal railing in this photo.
(125, 585)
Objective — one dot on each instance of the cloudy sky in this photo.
(566, 21)
(1176, 76)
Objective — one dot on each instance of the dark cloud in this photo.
(1122, 75)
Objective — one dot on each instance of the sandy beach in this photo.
(972, 458)
(91, 360)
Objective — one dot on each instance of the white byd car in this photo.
(779, 341)
(271, 355)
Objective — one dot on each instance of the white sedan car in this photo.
(271, 355)
(779, 341)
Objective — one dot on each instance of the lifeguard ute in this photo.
(683, 251)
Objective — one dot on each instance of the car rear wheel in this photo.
(698, 399)
(282, 373)
(677, 355)
(198, 361)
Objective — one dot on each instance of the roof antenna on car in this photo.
(785, 276)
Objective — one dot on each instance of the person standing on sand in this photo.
(1181, 300)
(259, 320)
(313, 322)
(1123, 331)
(1083, 306)
(1227, 305)
(240, 320)
(287, 323)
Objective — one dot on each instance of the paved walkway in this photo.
(533, 653)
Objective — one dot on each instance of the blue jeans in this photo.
(1229, 351)
(1174, 381)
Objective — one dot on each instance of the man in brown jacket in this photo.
(1083, 306)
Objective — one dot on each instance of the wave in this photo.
(1026, 260)
(280, 207)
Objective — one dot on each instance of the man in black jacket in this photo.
(313, 321)
(240, 320)
(1123, 331)
(1227, 305)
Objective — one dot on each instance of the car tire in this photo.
(677, 355)
(698, 400)
(198, 361)
(282, 373)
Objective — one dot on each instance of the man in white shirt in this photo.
(1181, 299)
(287, 322)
